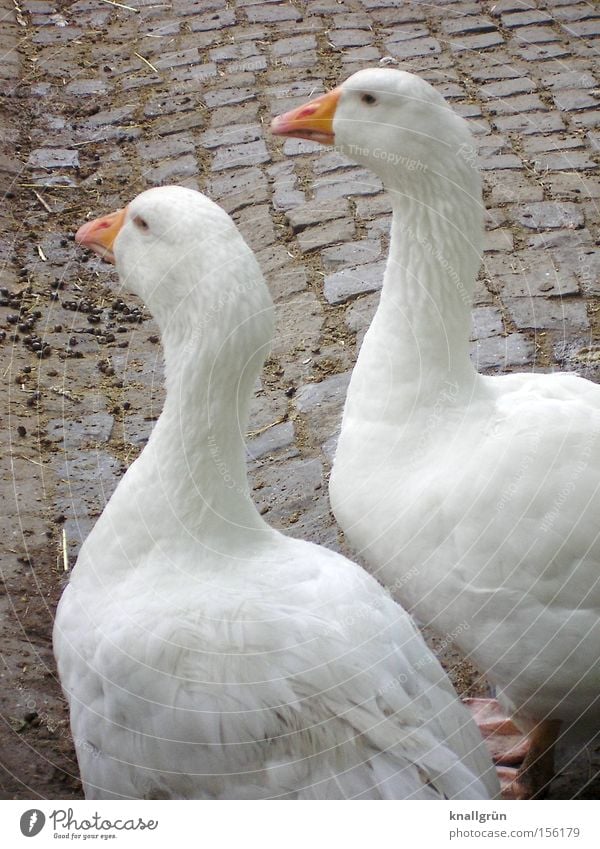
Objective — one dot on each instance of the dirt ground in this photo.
(101, 101)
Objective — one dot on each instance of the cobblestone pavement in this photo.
(101, 100)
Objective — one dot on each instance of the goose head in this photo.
(392, 122)
(184, 257)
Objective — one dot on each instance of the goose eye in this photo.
(140, 223)
(369, 99)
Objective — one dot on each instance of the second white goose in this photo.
(478, 497)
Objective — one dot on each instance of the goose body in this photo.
(204, 654)
(476, 499)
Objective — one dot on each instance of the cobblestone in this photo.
(344, 284)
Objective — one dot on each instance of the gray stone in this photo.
(531, 16)
(84, 87)
(166, 148)
(470, 23)
(536, 35)
(89, 478)
(487, 321)
(178, 123)
(545, 144)
(548, 313)
(313, 238)
(53, 157)
(520, 103)
(217, 19)
(241, 113)
(357, 181)
(512, 187)
(412, 48)
(92, 429)
(317, 212)
(570, 79)
(567, 161)
(299, 147)
(177, 58)
(292, 494)
(502, 162)
(197, 73)
(358, 280)
(501, 352)
(548, 215)
(56, 35)
(286, 198)
(499, 239)
(256, 226)
(583, 29)
(343, 38)
(494, 70)
(169, 104)
(171, 171)
(330, 160)
(541, 52)
(532, 122)
(535, 274)
(574, 100)
(109, 117)
(228, 96)
(480, 41)
(508, 87)
(359, 315)
(288, 96)
(358, 252)
(574, 252)
(235, 135)
(271, 441)
(239, 188)
(330, 392)
(236, 155)
(270, 13)
(284, 278)
(298, 324)
(287, 46)
(374, 206)
(586, 119)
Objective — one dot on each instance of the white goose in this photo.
(487, 487)
(204, 654)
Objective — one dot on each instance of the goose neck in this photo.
(425, 311)
(195, 460)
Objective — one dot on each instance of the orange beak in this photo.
(99, 235)
(313, 120)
